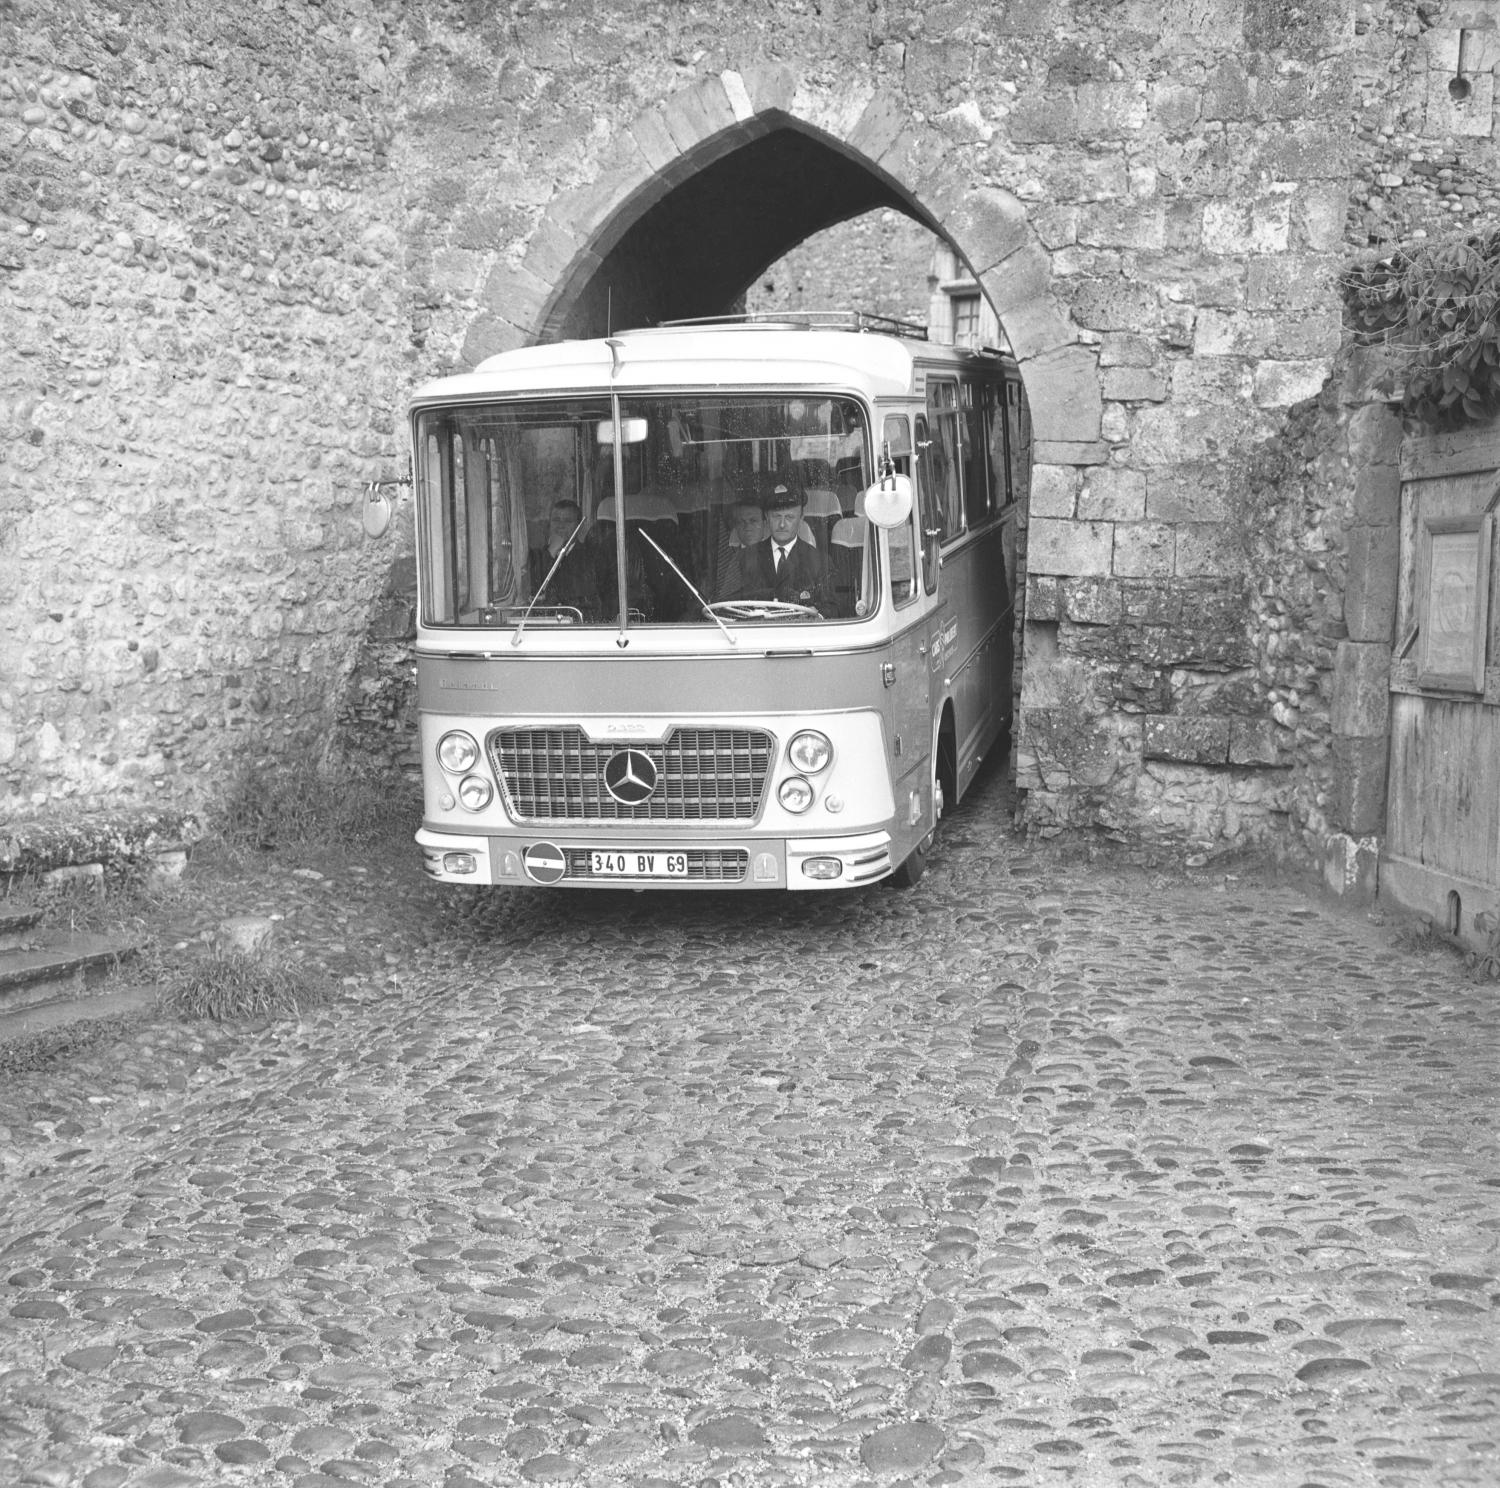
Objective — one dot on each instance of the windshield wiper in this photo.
(541, 588)
(729, 635)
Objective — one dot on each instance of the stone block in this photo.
(1056, 226)
(1361, 697)
(1318, 213)
(1125, 225)
(1289, 281)
(1054, 490)
(1371, 585)
(1043, 599)
(1280, 384)
(487, 337)
(1023, 275)
(1125, 349)
(1303, 335)
(1037, 327)
(1151, 602)
(1377, 495)
(1063, 389)
(1359, 775)
(697, 114)
(1207, 550)
(1043, 121)
(555, 255)
(654, 141)
(1112, 493)
(1109, 110)
(1174, 107)
(1091, 601)
(1254, 741)
(515, 294)
(1375, 436)
(1189, 741)
(1144, 550)
(1135, 385)
(1116, 305)
(1261, 224)
(879, 126)
(1228, 95)
(992, 225)
(1069, 547)
(1139, 689)
(771, 85)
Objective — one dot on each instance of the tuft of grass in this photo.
(276, 805)
(230, 987)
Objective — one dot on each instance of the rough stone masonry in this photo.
(232, 239)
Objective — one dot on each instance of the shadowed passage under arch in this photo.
(695, 250)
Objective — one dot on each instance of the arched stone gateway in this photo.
(708, 189)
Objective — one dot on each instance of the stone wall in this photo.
(207, 335)
(232, 246)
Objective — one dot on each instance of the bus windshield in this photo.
(738, 508)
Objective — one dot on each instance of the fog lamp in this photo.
(823, 868)
(460, 862)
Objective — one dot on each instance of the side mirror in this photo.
(376, 515)
(632, 431)
(888, 502)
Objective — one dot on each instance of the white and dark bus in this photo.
(621, 682)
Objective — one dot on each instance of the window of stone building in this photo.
(965, 319)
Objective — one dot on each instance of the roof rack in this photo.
(807, 320)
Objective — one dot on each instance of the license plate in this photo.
(613, 864)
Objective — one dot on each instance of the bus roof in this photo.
(754, 354)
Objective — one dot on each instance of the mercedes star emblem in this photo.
(630, 777)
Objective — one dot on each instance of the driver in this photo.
(783, 565)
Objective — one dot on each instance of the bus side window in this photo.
(903, 569)
(928, 505)
(943, 459)
(977, 500)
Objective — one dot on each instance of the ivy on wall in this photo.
(1435, 306)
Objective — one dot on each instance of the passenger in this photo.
(748, 527)
(575, 583)
(783, 566)
(604, 558)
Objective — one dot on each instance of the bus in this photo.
(712, 605)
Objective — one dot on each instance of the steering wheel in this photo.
(762, 609)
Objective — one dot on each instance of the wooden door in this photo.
(1442, 851)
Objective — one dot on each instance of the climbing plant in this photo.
(1436, 307)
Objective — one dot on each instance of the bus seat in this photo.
(849, 532)
(822, 501)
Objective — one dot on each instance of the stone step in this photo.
(66, 969)
(18, 927)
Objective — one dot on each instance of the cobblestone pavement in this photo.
(1042, 1173)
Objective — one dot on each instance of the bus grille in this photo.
(704, 774)
(705, 865)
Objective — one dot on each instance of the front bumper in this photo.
(535, 860)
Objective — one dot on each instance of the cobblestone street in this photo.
(1040, 1173)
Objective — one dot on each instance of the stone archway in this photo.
(719, 141)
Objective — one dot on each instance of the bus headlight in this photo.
(795, 794)
(475, 792)
(810, 751)
(457, 752)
